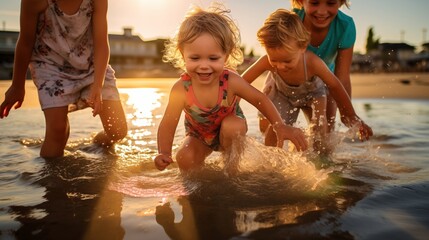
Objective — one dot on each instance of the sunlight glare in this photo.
(144, 101)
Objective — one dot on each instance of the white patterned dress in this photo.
(62, 65)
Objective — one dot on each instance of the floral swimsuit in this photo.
(204, 123)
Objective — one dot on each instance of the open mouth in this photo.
(204, 75)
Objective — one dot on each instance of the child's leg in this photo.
(289, 115)
(191, 154)
(57, 132)
(288, 112)
(319, 124)
(331, 112)
(231, 128)
(114, 123)
(269, 89)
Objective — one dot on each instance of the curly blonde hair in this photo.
(297, 3)
(214, 21)
(281, 29)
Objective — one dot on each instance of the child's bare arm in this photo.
(317, 67)
(101, 53)
(342, 68)
(14, 96)
(168, 125)
(244, 90)
(256, 69)
(339, 93)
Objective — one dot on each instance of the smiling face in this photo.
(320, 13)
(204, 59)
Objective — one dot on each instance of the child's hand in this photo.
(295, 135)
(94, 101)
(162, 161)
(365, 131)
(13, 98)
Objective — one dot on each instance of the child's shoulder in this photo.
(311, 56)
(233, 78)
(230, 73)
(264, 63)
(313, 60)
(35, 5)
(345, 29)
(179, 83)
(299, 11)
(344, 19)
(178, 90)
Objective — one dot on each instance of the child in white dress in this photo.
(65, 44)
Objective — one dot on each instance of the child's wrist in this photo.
(168, 154)
(276, 125)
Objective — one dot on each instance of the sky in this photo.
(392, 20)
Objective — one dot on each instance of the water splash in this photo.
(249, 170)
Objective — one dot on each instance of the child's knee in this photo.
(118, 134)
(233, 126)
(58, 129)
(114, 121)
(187, 159)
(116, 131)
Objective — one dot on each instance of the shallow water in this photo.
(373, 190)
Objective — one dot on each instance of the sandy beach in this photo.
(383, 86)
(395, 85)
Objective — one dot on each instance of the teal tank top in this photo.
(341, 35)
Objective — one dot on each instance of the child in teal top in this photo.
(333, 35)
(341, 35)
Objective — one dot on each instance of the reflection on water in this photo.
(364, 190)
(143, 102)
(76, 203)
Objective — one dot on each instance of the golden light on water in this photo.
(143, 101)
(143, 107)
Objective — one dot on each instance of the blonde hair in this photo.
(281, 29)
(214, 21)
(297, 3)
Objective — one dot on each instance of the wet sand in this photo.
(402, 85)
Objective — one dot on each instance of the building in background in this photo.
(8, 41)
(131, 56)
(392, 57)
